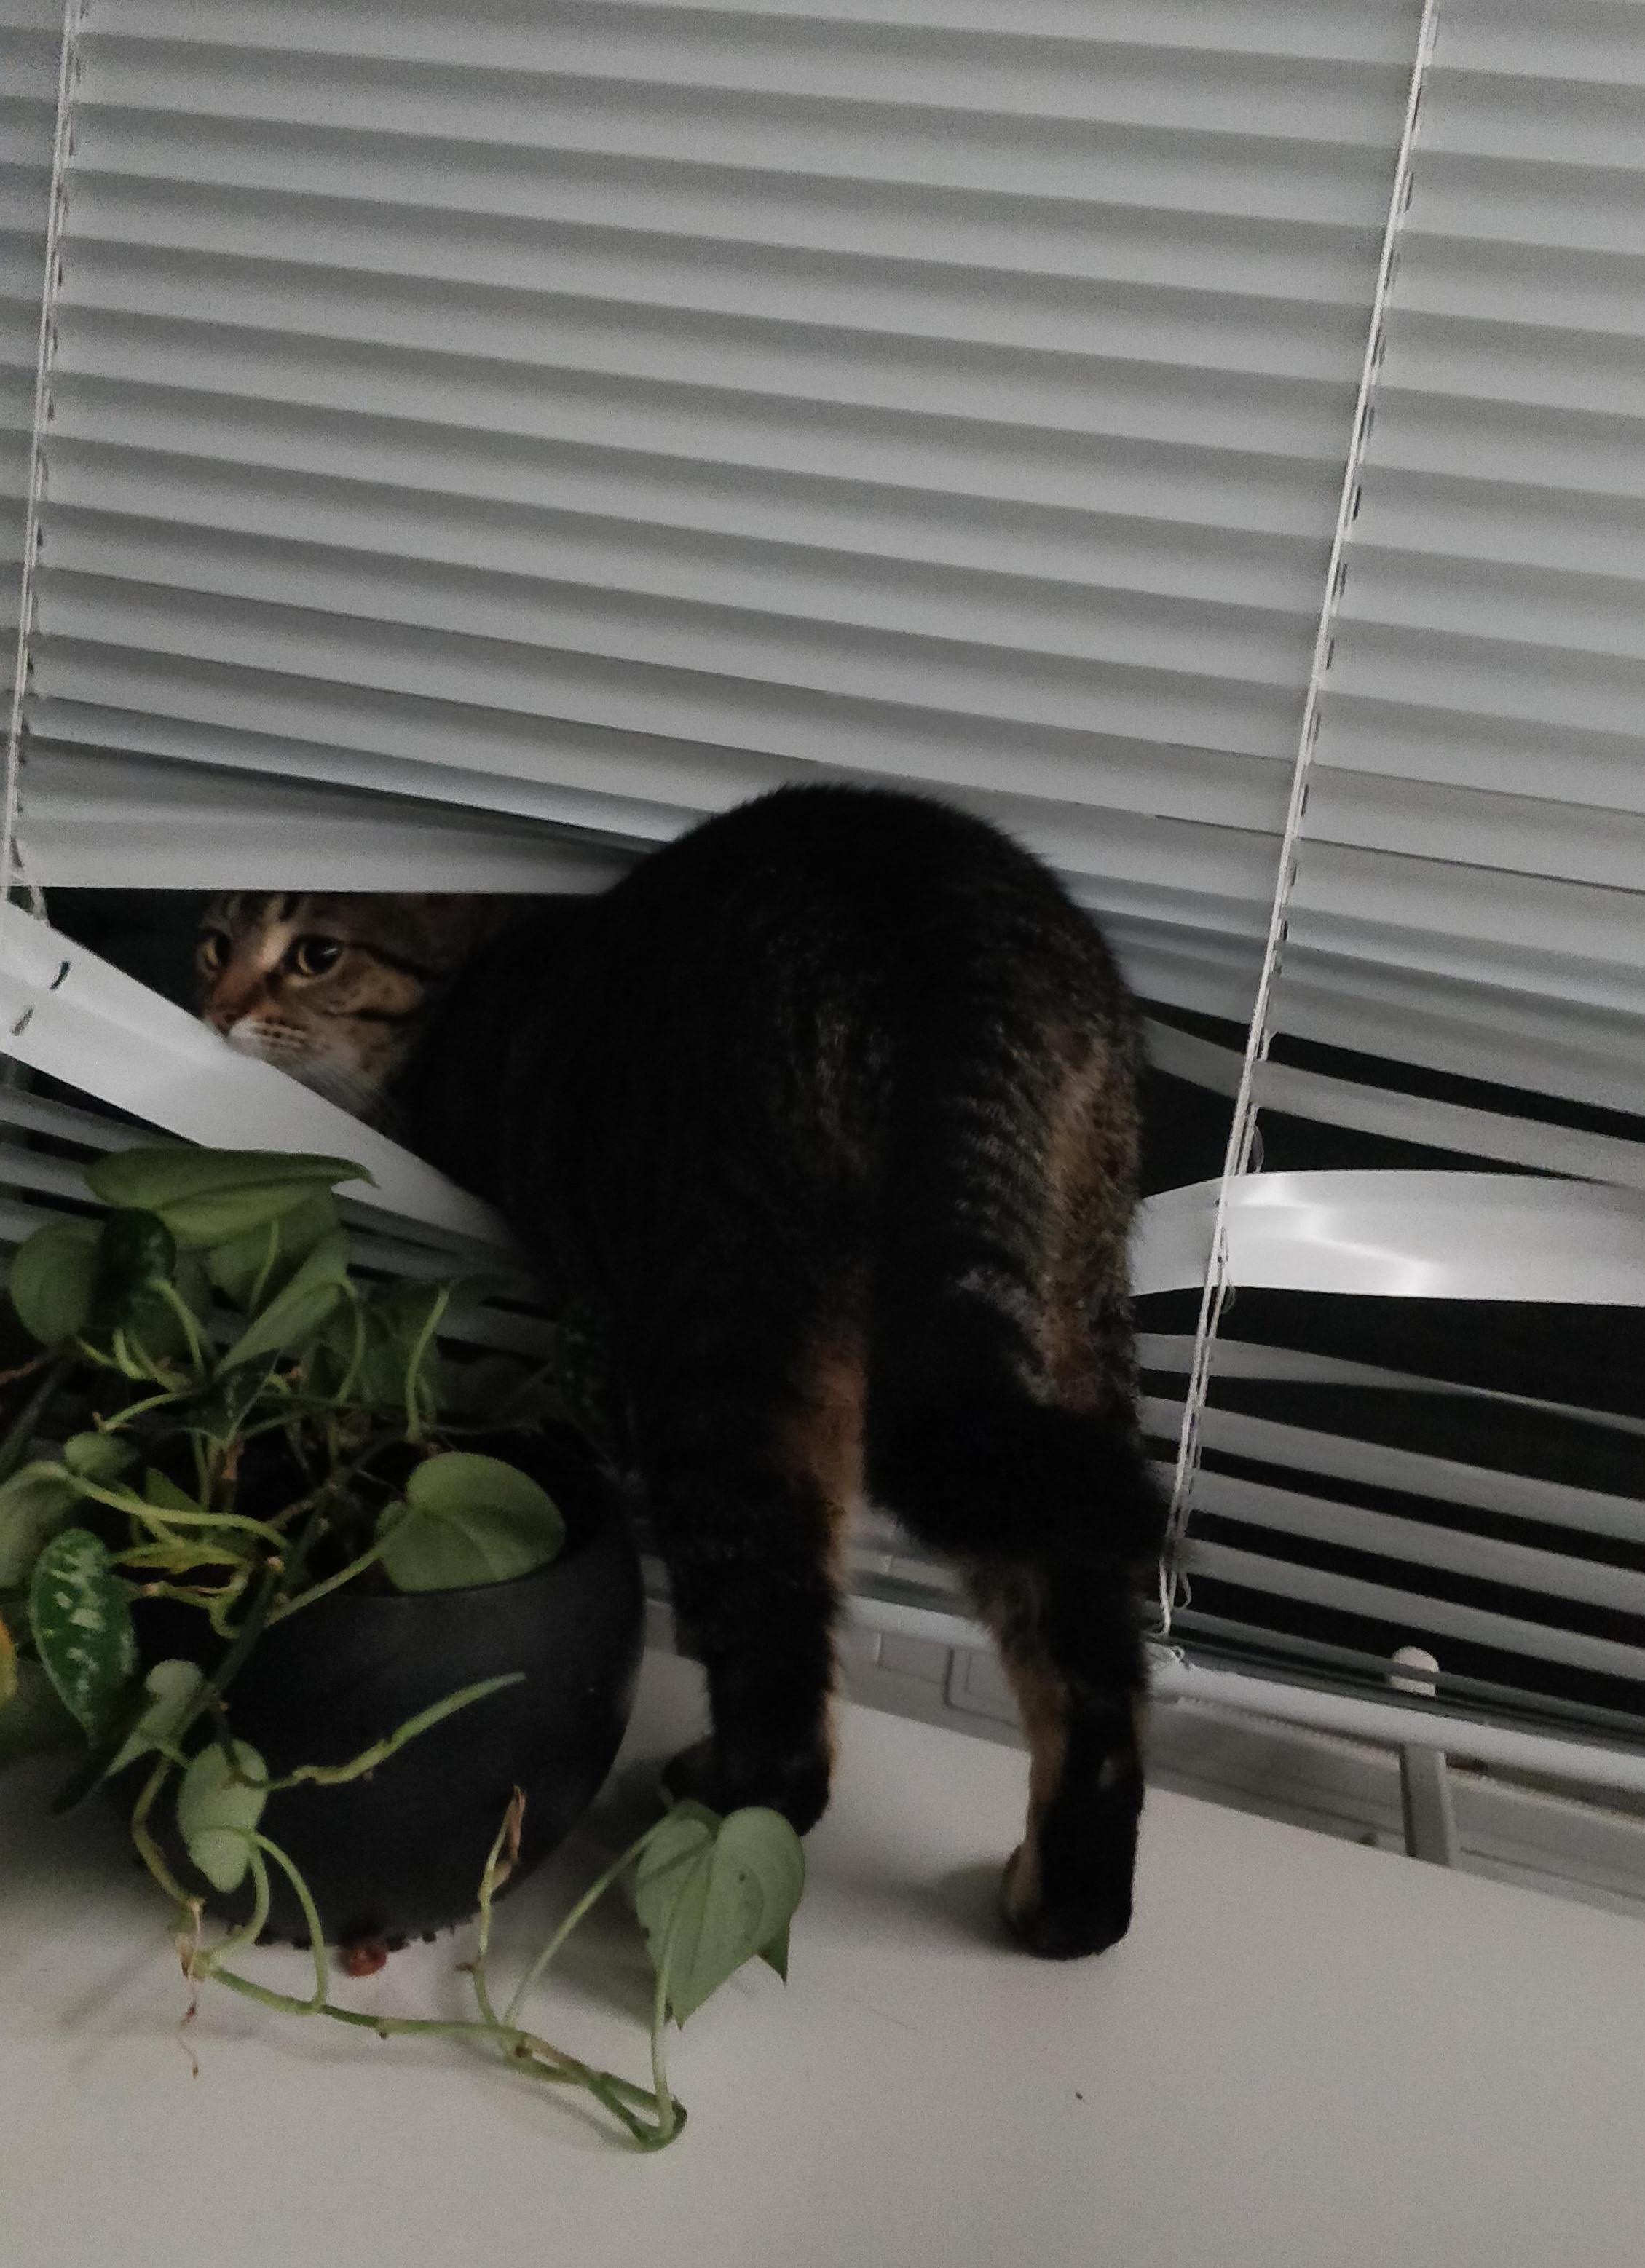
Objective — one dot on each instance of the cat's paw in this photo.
(1068, 1927)
(798, 1786)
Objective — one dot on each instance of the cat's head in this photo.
(334, 990)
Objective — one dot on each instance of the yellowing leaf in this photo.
(218, 1806)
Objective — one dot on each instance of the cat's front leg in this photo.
(747, 1465)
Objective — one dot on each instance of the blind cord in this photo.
(1242, 1129)
(13, 875)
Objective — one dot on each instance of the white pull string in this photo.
(13, 876)
(1243, 1130)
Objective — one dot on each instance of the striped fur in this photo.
(334, 990)
(826, 1115)
(828, 1111)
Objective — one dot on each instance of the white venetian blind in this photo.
(30, 31)
(483, 440)
(596, 413)
(1469, 894)
(1468, 905)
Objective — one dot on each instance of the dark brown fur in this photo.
(828, 1113)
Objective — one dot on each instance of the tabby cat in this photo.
(334, 989)
(829, 1110)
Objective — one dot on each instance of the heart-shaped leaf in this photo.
(299, 1310)
(33, 1721)
(711, 1893)
(100, 1457)
(172, 1688)
(34, 1504)
(265, 1258)
(211, 1196)
(52, 1276)
(469, 1519)
(82, 1627)
(218, 1806)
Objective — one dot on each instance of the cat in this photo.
(829, 1110)
(334, 988)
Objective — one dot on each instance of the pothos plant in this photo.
(225, 1415)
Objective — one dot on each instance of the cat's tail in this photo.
(980, 1433)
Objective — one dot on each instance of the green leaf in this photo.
(154, 1324)
(217, 1812)
(711, 1893)
(395, 1327)
(179, 1555)
(53, 1274)
(33, 1721)
(82, 1627)
(493, 1389)
(469, 1519)
(300, 1310)
(100, 1457)
(172, 1688)
(164, 1495)
(135, 1255)
(271, 1253)
(222, 1412)
(34, 1504)
(212, 1197)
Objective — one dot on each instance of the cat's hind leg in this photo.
(751, 1454)
(1003, 1429)
(1068, 1640)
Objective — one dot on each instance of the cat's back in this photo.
(850, 884)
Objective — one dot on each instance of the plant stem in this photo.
(20, 1432)
(368, 1759)
(316, 1934)
(261, 1280)
(659, 2028)
(590, 1898)
(357, 1355)
(185, 1315)
(249, 1931)
(367, 1558)
(148, 1849)
(158, 1516)
(414, 1368)
(141, 1409)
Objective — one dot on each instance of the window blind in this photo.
(1467, 900)
(482, 442)
(30, 38)
(597, 413)
(1469, 892)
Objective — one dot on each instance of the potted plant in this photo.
(350, 1627)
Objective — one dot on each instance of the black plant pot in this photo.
(400, 1853)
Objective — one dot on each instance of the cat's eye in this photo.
(313, 956)
(213, 951)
